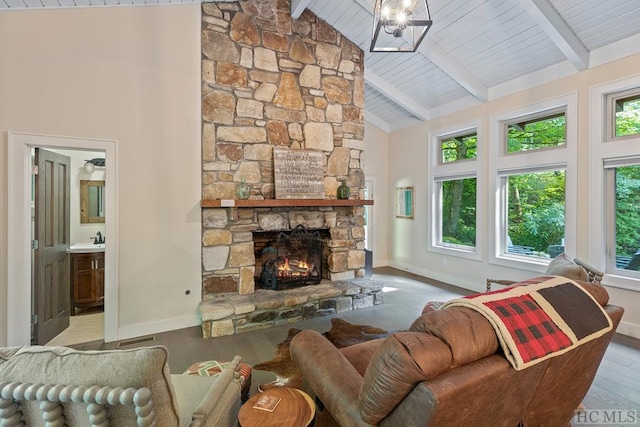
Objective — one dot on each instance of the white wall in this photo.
(408, 159)
(132, 75)
(376, 168)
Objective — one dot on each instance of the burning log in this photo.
(294, 268)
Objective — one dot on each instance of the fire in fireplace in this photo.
(293, 259)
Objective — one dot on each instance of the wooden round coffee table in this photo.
(294, 409)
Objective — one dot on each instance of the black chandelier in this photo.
(399, 25)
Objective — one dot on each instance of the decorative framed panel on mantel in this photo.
(299, 174)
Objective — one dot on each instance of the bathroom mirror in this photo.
(91, 201)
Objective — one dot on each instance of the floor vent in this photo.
(136, 341)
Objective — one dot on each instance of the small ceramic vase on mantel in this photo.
(243, 190)
(344, 191)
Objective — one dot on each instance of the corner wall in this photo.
(130, 74)
(376, 169)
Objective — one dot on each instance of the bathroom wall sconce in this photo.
(90, 165)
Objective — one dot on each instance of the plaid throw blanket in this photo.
(548, 317)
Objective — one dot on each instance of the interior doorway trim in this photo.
(19, 230)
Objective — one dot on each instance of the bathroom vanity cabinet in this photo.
(87, 280)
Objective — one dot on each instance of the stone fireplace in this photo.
(272, 81)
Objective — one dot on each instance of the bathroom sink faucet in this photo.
(98, 239)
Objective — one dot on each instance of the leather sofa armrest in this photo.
(334, 380)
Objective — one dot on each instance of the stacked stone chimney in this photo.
(269, 80)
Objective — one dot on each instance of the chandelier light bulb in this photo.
(88, 167)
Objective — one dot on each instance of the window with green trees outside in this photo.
(459, 212)
(535, 212)
(627, 116)
(535, 198)
(533, 134)
(627, 217)
(457, 189)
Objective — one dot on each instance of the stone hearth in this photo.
(232, 314)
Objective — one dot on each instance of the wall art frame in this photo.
(404, 202)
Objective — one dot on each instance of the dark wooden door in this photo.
(51, 289)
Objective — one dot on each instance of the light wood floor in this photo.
(617, 385)
(83, 327)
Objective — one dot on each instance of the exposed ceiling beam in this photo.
(297, 7)
(440, 59)
(395, 94)
(376, 121)
(443, 61)
(548, 18)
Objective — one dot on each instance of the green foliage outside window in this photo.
(459, 212)
(627, 213)
(627, 182)
(534, 134)
(459, 148)
(628, 116)
(535, 209)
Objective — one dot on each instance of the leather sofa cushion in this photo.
(360, 354)
(403, 360)
(467, 333)
(139, 367)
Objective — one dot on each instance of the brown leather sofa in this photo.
(447, 370)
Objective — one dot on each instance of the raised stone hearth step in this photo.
(228, 314)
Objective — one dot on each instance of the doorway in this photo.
(81, 204)
(368, 229)
(19, 293)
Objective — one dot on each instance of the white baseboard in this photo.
(479, 286)
(629, 329)
(164, 325)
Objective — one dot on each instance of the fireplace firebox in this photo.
(289, 259)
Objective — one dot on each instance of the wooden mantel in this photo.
(272, 203)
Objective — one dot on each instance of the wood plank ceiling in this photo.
(476, 50)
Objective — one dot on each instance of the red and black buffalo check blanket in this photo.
(540, 318)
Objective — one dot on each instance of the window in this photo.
(534, 202)
(458, 212)
(623, 114)
(533, 134)
(534, 173)
(459, 148)
(454, 188)
(615, 182)
(535, 213)
(624, 182)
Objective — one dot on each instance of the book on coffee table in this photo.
(267, 403)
